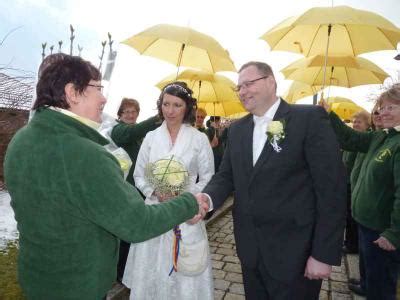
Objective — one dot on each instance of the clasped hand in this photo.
(204, 206)
(202, 201)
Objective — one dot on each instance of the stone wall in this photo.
(10, 121)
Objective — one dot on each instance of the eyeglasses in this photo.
(388, 108)
(248, 83)
(131, 112)
(98, 87)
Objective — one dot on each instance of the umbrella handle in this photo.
(326, 57)
(180, 59)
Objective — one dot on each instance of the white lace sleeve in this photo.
(141, 163)
(205, 163)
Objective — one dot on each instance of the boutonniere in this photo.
(276, 134)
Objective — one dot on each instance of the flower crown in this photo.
(179, 87)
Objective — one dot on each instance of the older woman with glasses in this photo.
(376, 194)
(69, 197)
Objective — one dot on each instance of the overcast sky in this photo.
(237, 25)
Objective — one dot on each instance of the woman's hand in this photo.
(384, 244)
(162, 197)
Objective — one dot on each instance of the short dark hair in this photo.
(263, 68)
(215, 118)
(128, 102)
(50, 89)
(49, 60)
(181, 90)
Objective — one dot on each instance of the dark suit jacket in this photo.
(291, 204)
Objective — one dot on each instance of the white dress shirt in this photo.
(260, 129)
(259, 135)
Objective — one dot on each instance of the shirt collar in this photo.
(83, 120)
(270, 113)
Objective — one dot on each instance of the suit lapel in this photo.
(281, 114)
(247, 143)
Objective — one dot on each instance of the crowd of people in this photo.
(83, 225)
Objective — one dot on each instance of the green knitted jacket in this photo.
(376, 193)
(72, 205)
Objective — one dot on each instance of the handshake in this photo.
(204, 205)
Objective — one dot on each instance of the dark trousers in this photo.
(380, 266)
(259, 285)
(361, 264)
(351, 233)
(123, 256)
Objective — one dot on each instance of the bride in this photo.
(150, 272)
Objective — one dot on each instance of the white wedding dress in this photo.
(149, 263)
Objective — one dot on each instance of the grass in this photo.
(9, 287)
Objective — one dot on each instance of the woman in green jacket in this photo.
(376, 194)
(70, 200)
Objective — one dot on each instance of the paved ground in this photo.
(227, 271)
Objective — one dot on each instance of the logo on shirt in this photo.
(383, 155)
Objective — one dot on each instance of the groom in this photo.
(289, 191)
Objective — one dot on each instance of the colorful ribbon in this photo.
(175, 249)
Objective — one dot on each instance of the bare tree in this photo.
(16, 92)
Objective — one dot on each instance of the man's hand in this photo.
(214, 142)
(325, 105)
(316, 269)
(383, 243)
(204, 206)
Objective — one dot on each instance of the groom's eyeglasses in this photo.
(249, 83)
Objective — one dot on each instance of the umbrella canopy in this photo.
(298, 90)
(182, 46)
(223, 109)
(332, 100)
(352, 32)
(343, 71)
(206, 86)
(345, 110)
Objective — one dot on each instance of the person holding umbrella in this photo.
(376, 194)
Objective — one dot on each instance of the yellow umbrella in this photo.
(207, 86)
(224, 109)
(332, 100)
(182, 46)
(298, 90)
(333, 31)
(352, 32)
(346, 71)
(345, 110)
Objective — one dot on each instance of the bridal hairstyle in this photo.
(50, 89)
(179, 89)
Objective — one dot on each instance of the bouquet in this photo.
(168, 176)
